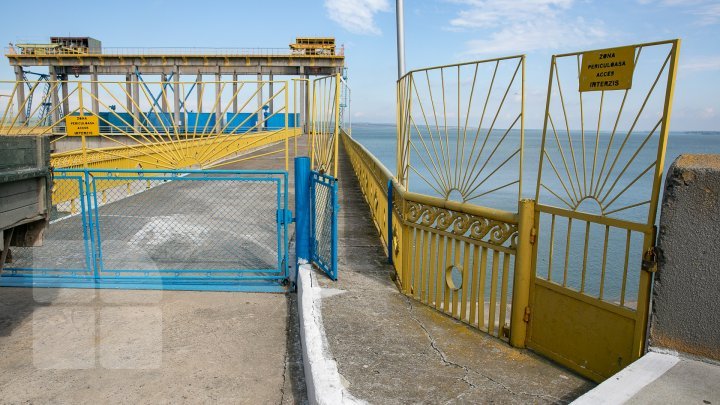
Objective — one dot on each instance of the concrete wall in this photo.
(686, 296)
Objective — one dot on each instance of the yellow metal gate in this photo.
(601, 166)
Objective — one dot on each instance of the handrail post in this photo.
(389, 221)
(523, 273)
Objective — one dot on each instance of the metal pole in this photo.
(523, 275)
(302, 208)
(400, 37)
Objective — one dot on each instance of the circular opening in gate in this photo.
(453, 278)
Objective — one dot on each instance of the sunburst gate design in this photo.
(461, 129)
(326, 124)
(603, 151)
(171, 124)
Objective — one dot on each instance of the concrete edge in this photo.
(631, 380)
(324, 384)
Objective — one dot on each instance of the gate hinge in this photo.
(533, 235)
(283, 217)
(649, 260)
(526, 317)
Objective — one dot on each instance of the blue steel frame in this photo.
(70, 278)
(330, 267)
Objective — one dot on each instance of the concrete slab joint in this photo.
(324, 383)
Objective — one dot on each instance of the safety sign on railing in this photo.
(82, 125)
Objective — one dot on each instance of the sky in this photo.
(436, 32)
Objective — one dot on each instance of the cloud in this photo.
(709, 14)
(707, 11)
(701, 64)
(491, 13)
(525, 26)
(357, 16)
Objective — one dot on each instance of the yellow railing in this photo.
(325, 124)
(458, 258)
(153, 124)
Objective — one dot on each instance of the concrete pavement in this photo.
(391, 349)
(107, 346)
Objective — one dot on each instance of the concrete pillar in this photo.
(128, 93)
(260, 124)
(64, 93)
(54, 98)
(94, 90)
(20, 94)
(176, 97)
(136, 101)
(163, 94)
(198, 89)
(235, 90)
(308, 117)
(687, 282)
(218, 101)
(271, 93)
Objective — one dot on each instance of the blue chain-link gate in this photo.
(323, 223)
(162, 229)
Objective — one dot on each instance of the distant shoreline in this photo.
(674, 131)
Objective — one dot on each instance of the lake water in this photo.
(380, 139)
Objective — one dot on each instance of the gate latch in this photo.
(649, 260)
(283, 217)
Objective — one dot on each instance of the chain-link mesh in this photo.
(324, 223)
(192, 225)
(65, 249)
(217, 225)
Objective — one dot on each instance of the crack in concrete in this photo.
(468, 370)
(433, 344)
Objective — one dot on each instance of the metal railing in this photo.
(160, 51)
(325, 124)
(169, 124)
(456, 257)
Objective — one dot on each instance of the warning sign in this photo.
(609, 69)
(79, 125)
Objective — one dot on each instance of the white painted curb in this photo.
(625, 384)
(322, 378)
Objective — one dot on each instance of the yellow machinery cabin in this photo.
(313, 46)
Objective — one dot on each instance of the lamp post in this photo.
(400, 37)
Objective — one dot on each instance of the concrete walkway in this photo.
(392, 349)
(108, 346)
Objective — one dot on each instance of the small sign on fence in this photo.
(79, 125)
(608, 69)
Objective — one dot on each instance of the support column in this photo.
(94, 90)
(176, 97)
(54, 98)
(136, 100)
(308, 118)
(260, 123)
(163, 94)
(271, 93)
(128, 93)
(19, 79)
(198, 89)
(64, 93)
(218, 101)
(235, 90)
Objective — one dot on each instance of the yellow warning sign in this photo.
(609, 69)
(79, 125)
